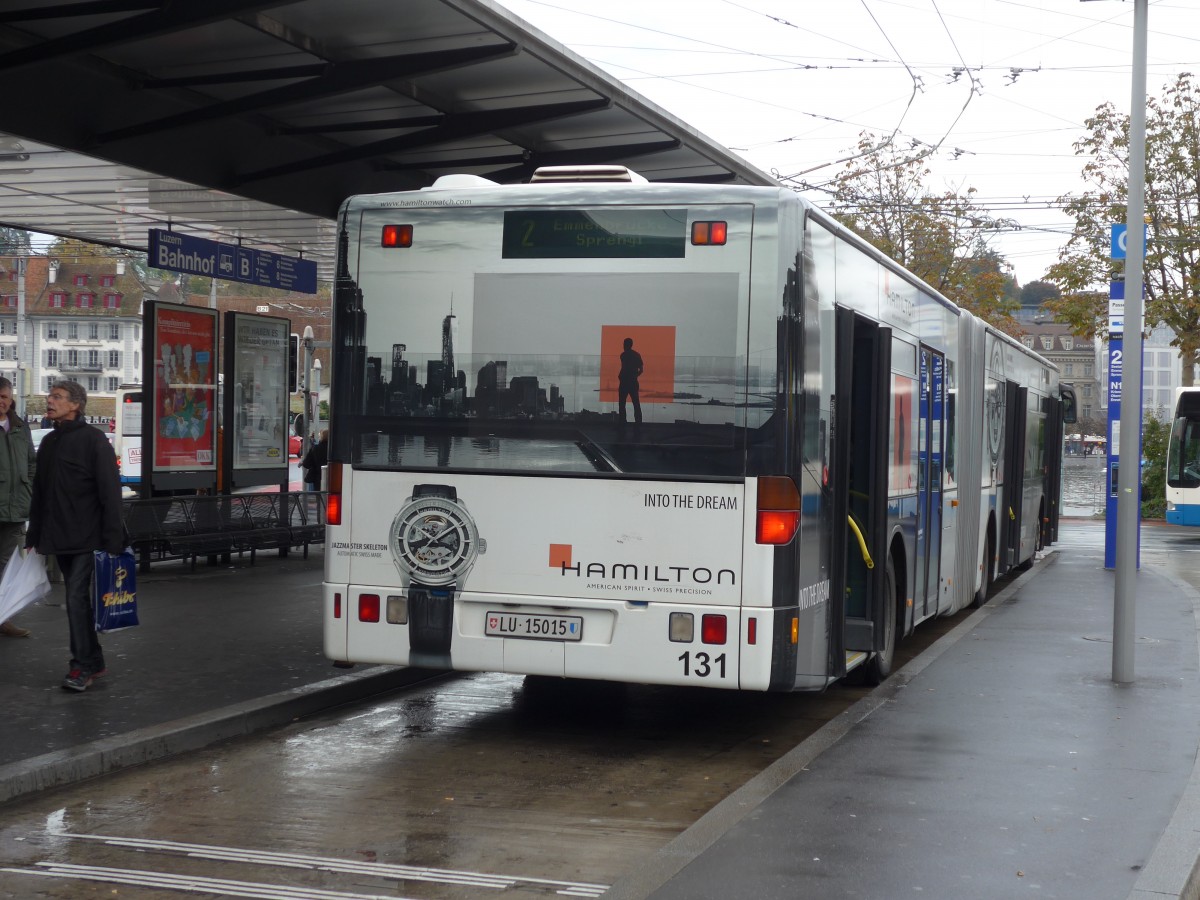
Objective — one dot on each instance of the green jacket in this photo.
(17, 463)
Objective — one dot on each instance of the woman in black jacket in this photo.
(314, 460)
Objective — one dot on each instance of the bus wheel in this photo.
(985, 584)
(879, 666)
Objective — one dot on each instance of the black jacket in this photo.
(316, 457)
(76, 505)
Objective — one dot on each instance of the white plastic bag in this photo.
(24, 582)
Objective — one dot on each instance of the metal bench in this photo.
(192, 526)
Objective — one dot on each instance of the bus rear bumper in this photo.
(639, 642)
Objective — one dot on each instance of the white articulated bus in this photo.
(662, 433)
(1183, 459)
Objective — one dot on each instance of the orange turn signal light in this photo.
(778, 517)
(709, 233)
(333, 499)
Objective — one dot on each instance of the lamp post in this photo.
(1129, 475)
(315, 393)
(307, 344)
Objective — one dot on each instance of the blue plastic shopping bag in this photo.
(116, 591)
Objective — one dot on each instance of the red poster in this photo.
(903, 443)
(185, 414)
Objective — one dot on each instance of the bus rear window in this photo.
(580, 372)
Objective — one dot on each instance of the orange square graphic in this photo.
(560, 555)
(655, 344)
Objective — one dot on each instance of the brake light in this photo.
(778, 510)
(752, 630)
(713, 629)
(397, 236)
(337, 605)
(709, 233)
(368, 607)
(333, 498)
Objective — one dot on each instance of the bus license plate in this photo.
(534, 627)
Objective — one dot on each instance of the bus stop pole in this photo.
(1130, 475)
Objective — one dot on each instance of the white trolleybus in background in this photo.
(1183, 459)
(127, 433)
(662, 433)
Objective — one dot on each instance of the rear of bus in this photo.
(550, 407)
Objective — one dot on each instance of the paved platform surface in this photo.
(222, 651)
(1004, 762)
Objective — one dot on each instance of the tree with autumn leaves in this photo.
(1172, 196)
(943, 238)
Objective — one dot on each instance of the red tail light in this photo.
(333, 501)
(337, 605)
(778, 510)
(713, 629)
(368, 607)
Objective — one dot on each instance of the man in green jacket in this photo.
(17, 462)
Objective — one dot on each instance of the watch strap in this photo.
(445, 491)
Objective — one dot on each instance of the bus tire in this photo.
(879, 666)
(985, 583)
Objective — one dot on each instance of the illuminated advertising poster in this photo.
(185, 390)
(260, 398)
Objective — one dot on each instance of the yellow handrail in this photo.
(862, 543)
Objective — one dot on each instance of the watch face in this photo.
(995, 418)
(434, 541)
(994, 405)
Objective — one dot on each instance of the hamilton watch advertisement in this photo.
(638, 540)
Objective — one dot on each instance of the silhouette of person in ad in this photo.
(627, 381)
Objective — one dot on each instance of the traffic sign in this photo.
(1119, 239)
(191, 255)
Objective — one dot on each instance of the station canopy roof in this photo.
(250, 122)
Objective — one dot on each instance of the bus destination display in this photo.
(598, 234)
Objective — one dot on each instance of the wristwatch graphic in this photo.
(434, 540)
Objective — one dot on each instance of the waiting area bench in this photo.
(192, 526)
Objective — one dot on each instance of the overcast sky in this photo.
(1002, 87)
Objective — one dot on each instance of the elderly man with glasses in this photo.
(76, 509)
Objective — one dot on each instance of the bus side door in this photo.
(929, 483)
(1013, 462)
(859, 485)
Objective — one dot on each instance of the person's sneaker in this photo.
(77, 680)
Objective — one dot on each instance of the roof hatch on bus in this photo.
(553, 174)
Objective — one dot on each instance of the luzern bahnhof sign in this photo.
(199, 256)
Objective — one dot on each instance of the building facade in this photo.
(1076, 359)
(82, 321)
